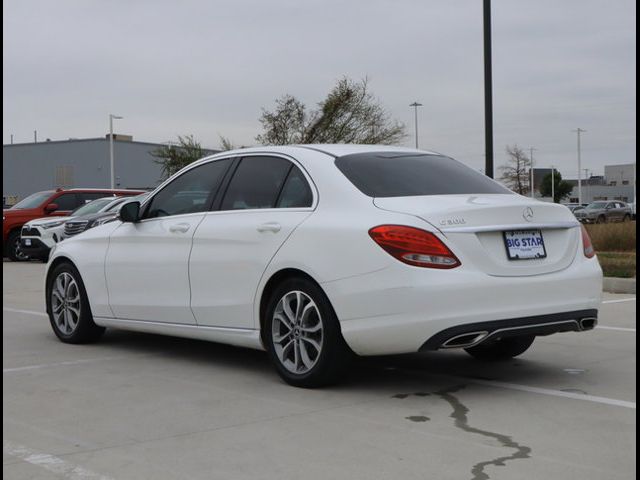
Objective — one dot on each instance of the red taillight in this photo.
(587, 246)
(414, 246)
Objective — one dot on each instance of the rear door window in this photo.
(256, 183)
(296, 192)
(67, 201)
(408, 174)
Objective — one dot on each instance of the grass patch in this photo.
(618, 264)
(613, 237)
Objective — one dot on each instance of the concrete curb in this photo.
(619, 285)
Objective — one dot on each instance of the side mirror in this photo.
(50, 208)
(130, 212)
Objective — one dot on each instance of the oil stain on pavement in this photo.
(461, 421)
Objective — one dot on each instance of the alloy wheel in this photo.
(297, 332)
(17, 251)
(65, 303)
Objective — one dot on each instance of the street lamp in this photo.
(579, 131)
(112, 117)
(531, 167)
(415, 106)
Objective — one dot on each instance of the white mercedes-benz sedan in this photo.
(316, 252)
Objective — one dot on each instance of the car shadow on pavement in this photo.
(364, 373)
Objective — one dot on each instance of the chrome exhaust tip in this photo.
(588, 323)
(465, 340)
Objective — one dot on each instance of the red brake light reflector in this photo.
(587, 246)
(414, 246)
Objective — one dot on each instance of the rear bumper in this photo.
(399, 309)
(472, 334)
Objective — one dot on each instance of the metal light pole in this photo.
(531, 149)
(488, 95)
(579, 131)
(111, 162)
(415, 106)
(586, 185)
(553, 185)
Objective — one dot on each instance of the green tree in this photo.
(349, 114)
(515, 174)
(226, 144)
(173, 157)
(561, 189)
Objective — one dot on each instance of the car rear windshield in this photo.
(32, 201)
(404, 175)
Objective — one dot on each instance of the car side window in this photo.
(296, 192)
(191, 192)
(67, 201)
(256, 183)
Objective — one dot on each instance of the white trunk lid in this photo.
(474, 226)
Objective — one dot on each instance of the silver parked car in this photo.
(604, 211)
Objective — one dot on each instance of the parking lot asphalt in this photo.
(137, 406)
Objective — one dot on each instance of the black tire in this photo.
(334, 358)
(85, 330)
(601, 219)
(13, 247)
(502, 349)
(626, 218)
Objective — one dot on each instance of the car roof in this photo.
(99, 190)
(331, 150)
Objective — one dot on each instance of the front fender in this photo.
(87, 252)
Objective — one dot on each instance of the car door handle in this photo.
(269, 227)
(179, 228)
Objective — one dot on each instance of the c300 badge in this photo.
(452, 221)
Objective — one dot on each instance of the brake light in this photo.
(587, 246)
(414, 246)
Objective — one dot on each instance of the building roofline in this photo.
(102, 139)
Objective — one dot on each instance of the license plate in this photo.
(27, 242)
(524, 244)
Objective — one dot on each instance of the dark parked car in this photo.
(604, 211)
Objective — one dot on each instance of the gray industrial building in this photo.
(617, 183)
(31, 167)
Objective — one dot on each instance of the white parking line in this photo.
(620, 300)
(620, 329)
(555, 393)
(51, 463)
(26, 312)
(67, 363)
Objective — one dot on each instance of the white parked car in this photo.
(38, 237)
(315, 252)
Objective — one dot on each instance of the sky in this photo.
(208, 68)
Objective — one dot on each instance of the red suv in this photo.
(43, 204)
